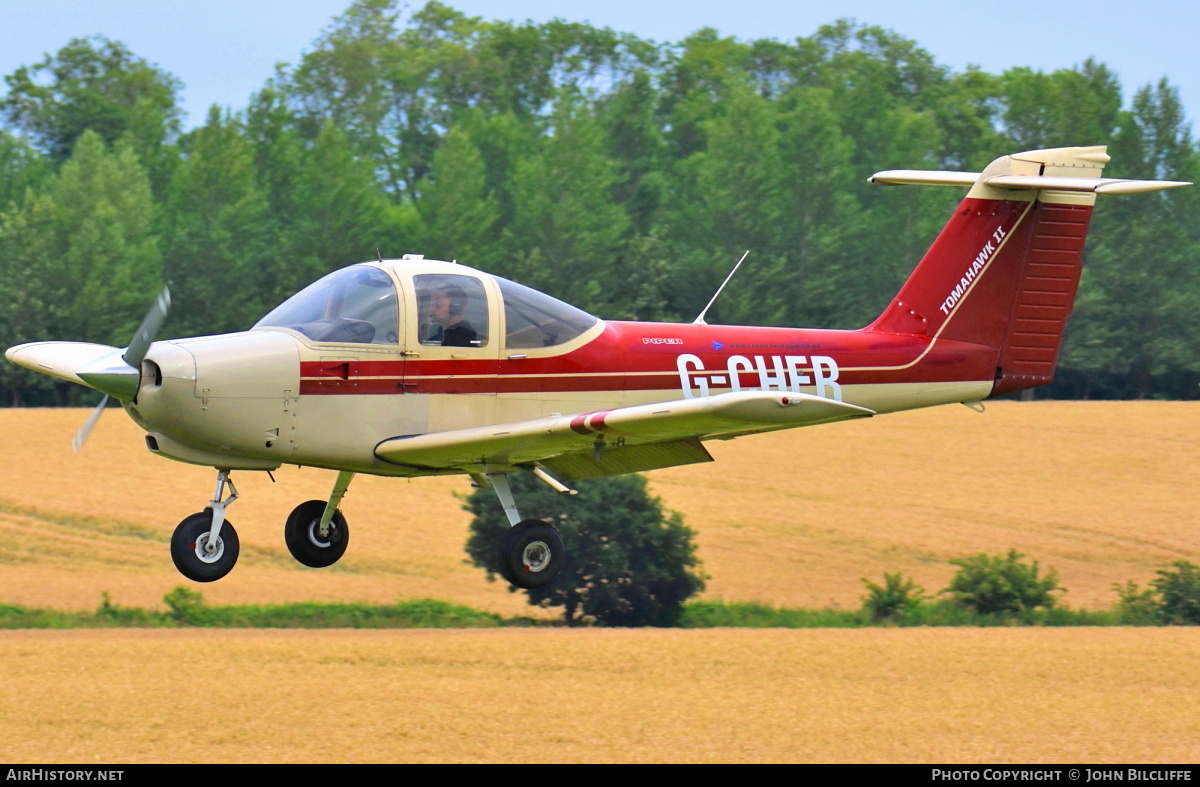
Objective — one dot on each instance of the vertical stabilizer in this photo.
(1004, 271)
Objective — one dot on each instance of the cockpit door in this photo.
(453, 347)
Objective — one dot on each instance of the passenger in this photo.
(446, 313)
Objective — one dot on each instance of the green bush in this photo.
(187, 606)
(897, 598)
(1179, 594)
(994, 585)
(1136, 606)
(628, 562)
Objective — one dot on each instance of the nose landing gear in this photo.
(204, 546)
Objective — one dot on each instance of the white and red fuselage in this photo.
(360, 360)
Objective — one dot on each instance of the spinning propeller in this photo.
(109, 370)
(122, 377)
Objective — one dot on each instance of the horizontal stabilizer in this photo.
(917, 177)
(542, 439)
(923, 177)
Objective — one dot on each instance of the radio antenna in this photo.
(700, 320)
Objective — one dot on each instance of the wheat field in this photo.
(558, 695)
(1101, 492)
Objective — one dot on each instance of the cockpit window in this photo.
(355, 305)
(453, 310)
(534, 319)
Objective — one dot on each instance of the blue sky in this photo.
(223, 50)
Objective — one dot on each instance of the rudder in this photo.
(1005, 270)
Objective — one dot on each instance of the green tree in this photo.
(340, 215)
(457, 208)
(219, 240)
(21, 168)
(395, 83)
(566, 226)
(994, 585)
(1136, 327)
(92, 84)
(628, 562)
(80, 260)
(1071, 106)
(635, 142)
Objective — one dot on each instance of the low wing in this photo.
(626, 439)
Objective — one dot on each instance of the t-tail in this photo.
(1004, 271)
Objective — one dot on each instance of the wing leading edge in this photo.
(625, 439)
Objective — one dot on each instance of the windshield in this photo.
(356, 305)
(535, 319)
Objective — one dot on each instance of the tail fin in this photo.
(1004, 271)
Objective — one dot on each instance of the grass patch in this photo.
(187, 608)
(714, 614)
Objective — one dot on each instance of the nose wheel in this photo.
(205, 546)
(199, 556)
(302, 534)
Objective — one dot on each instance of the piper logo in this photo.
(764, 373)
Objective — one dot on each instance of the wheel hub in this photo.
(314, 537)
(536, 556)
(209, 553)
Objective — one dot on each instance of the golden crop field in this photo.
(593, 695)
(1102, 492)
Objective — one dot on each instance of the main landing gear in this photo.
(316, 533)
(205, 546)
(531, 552)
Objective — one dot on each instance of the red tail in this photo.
(1004, 271)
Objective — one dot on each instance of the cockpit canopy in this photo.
(361, 305)
(535, 319)
(354, 305)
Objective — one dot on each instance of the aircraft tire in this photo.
(186, 548)
(531, 554)
(306, 545)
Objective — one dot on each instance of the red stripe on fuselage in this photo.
(620, 360)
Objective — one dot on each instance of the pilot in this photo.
(446, 309)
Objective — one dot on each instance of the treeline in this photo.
(623, 175)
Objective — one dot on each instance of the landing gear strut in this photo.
(205, 546)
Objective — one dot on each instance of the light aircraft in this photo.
(413, 367)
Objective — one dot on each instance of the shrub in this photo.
(187, 605)
(994, 585)
(1179, 593)
(1136, 606)
(628, 563)
(897, 598)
